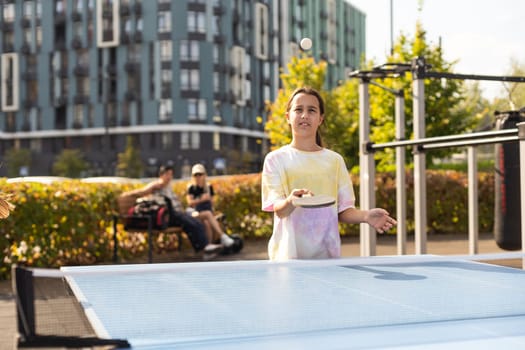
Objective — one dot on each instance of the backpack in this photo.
(155, 208)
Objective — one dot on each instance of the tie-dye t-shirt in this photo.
(307, 233)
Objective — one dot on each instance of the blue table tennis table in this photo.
(419, 302)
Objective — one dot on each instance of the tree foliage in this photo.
(341, 109)
(451, 106)
(70, 163)
(446, 109)
(17, 158)
(513, 94)
(129, 162)
(303, 71)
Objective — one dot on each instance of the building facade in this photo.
(187, 80)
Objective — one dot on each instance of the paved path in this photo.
(256, 250)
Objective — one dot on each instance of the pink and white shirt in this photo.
(307, 233)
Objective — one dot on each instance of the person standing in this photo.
(305, 167)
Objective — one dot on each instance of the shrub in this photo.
(70, 222)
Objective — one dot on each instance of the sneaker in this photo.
(209, 256)
(226, 240)
(212, 248)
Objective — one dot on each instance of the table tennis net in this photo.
(48, 314)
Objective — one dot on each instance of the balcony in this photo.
(25, 48)
(76, 43)
(76, 16)
(125, 38)
(62, 72)
(60, 45)
(124, 10)
(218, 10)
(7, 26)
(81, 99)
(60, 101)
(60, 18)
(165, 6)
(111, 69)
(29, 103)
(81, 70)
(29, 75)
(131, 66)
(137, 8)
(25, 22)
(131, 95)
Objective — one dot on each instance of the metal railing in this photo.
(420, 144)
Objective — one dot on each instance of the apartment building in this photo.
(188, 80)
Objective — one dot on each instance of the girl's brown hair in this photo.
(309, 91)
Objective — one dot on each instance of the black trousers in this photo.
(193, 227)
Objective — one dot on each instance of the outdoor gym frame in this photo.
(420, 71)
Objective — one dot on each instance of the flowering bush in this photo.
(71, 222)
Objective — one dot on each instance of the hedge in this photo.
(70, 222)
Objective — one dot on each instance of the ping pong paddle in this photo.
(319, 201)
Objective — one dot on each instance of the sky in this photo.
(481, 35)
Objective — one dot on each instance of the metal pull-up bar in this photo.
(420, 71)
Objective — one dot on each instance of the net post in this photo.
(150, 239)
(115, 239)
(22, 284)
(521, 137)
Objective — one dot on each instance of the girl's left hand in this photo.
(380, 220)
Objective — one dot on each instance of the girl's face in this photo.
(304, 115)
(199, 178)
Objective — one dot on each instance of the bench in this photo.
(126, 201)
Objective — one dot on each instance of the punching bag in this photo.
(507, 219)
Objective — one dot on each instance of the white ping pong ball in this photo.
(306, 44)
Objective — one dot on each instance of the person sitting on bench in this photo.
(199, 196)
(193, 227)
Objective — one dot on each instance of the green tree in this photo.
(70, 163)
(302, 71)
(446, 111)
(513, 94)
(129, 162)
(17, 158)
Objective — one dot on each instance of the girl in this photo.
(199, 197)
(305, 167)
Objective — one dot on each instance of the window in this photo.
(196, 109)
(78, 119)
(189, 79)
(331, 47)
(237, 79)
(165, 50)
(216, 141)
(216, 54)
(134, 53)
(164, 21)
(166, 77)
(196, 22)
(190, 140)
(165, 110)
(108, 32)
(216, 82)
(36, 145)
(166, 139)
(28, 9)
(261, 31)
(9, 85)
(189, 50)
(9, 12)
